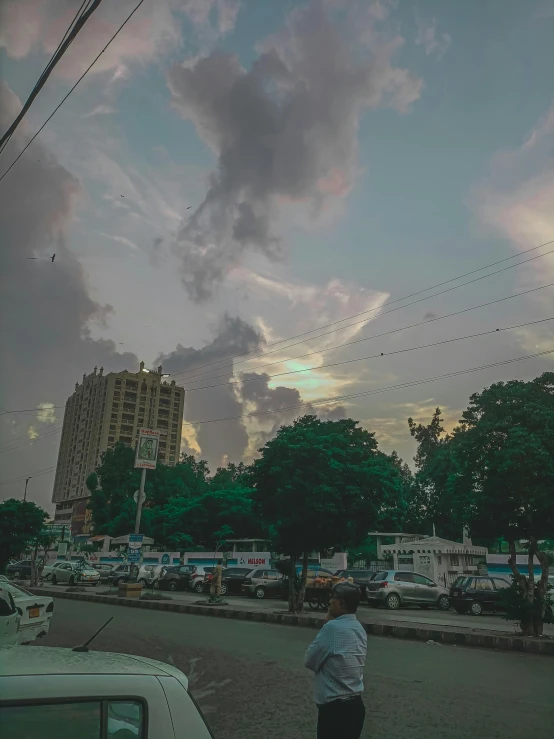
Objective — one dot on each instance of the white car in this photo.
(48, 569)
(9, 618)
(35, 612)
(74, 573)
(50, 692)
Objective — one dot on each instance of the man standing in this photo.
(337, 657)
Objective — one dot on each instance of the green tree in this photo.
(322, 484)
(21, 523)
(502, 477)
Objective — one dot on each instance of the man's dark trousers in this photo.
(341, 719)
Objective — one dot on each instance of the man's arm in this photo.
(319, 649)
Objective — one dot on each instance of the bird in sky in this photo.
(189, 207)
(50, 258)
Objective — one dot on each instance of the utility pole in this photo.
(25, 493)
(140, 500)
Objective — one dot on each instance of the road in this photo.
(249, 679)
(486, 622)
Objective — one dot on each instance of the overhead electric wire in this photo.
(87, 70)
(376, 336)
(29, 474)
(78, 22)
(333, 399)
(397, 300)
(337, 398)
(20, 444)
(374, 356)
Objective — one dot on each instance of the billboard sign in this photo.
(252, 559)
(147, 449)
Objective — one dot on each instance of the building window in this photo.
(111, 438)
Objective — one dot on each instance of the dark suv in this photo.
(21, 569)
(176, 578)
(475, 594)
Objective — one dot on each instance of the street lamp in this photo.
(26, 483)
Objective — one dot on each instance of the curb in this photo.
(439, 635)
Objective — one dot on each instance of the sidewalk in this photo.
(427, 626)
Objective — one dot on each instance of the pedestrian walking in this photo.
(337, 658)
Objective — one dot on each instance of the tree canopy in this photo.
(323, 484)
(21, 523)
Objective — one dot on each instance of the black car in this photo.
(232, 579)
(21, 569)
(360, 577)
(176, 578)
(119, 574)
(475, 594)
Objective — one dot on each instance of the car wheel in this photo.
(313, 603)
(16, 576)
(476, 609)
(54, 580)
(172, 585)
(393, 602)
(71, 581)
(143, 582)
(443, 603)
(199, 587)
(260, 593)
(47, 577)
(223, 589)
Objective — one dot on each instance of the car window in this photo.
(380, 576)
(80, 720)
(483, 584)
(257, 573)
(184, 570)
(422, 580)
(125, 717)
(404, 576)
(500, 584)
(7, 605)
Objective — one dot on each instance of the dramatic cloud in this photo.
(45, 308)
(258, 398)
(433, 43)
(215, 441)
(27, 26)
(284, 131)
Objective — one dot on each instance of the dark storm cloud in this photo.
(219, 440)
(45, 308)
(283, 131)
(260, 398)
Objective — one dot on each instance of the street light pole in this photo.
(25, 493)
(140, 499)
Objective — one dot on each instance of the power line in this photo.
(376, 336)
(21, 444)
(79, 20)
(377, 391)
(87, 70)
(337, 346)
(29, 474)
(374, 356)
(442, 292)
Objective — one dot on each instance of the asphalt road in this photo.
(250, 682)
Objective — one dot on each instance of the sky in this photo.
(235, 179)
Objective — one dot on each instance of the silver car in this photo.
(397, 588)
(73, 573)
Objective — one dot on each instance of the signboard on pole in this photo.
(147, 449)
(134, 551)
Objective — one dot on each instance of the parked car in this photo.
(361, 578)
(397, 588)
(73, 573)
(9, 618)
(120, 573)
(104, 569)
(197, 577)
(477, 593)
(264, 583)
(35, 612)
(232, 579)
(177, 577)
(149, 574)
(20, 570)
(94, 694)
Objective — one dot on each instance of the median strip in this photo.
(419, 632)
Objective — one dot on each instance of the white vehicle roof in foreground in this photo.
(18, 661)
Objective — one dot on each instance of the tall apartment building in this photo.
(103, 410)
